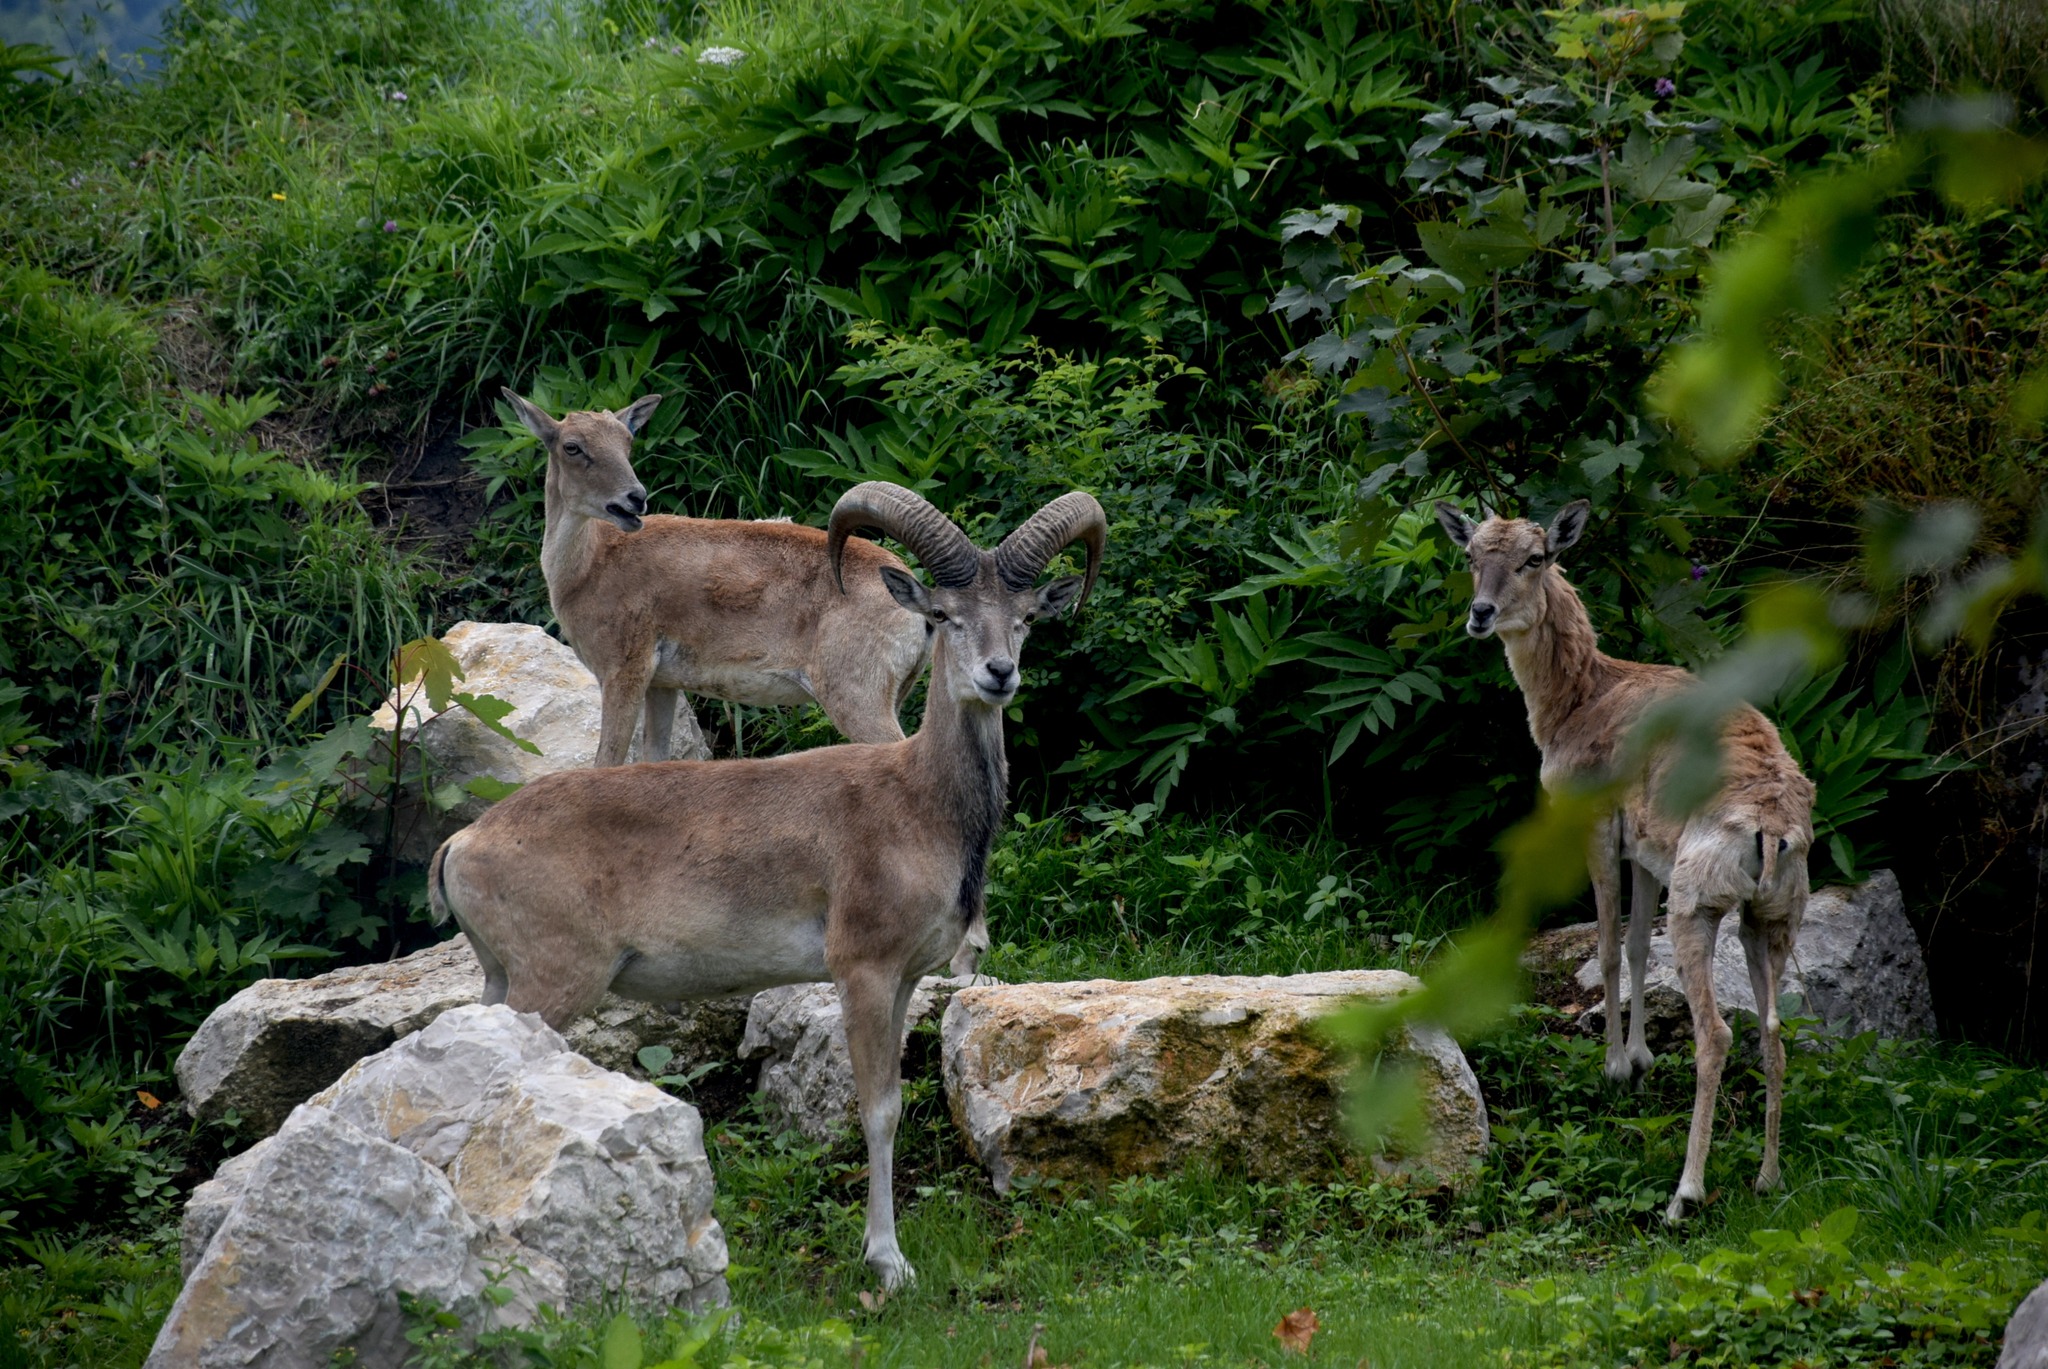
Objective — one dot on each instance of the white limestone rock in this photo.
(556, 705)
(328, 1225)
(280, 1041)
(2026, 1335)
(602, 1174)
(1102, 1079)
(478, 1147)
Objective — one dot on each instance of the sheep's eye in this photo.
(1030, 618)
(573, 449)
(938, 616)
(1532, 563)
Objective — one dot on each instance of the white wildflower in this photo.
(722, 57)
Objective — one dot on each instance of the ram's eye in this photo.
(1532, 563)
(1030, 618)
(573, 449)
(937, 615)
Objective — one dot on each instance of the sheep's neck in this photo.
(566, 543)
(1558, 662)
(960, 748)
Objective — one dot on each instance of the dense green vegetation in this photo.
(1265, 277)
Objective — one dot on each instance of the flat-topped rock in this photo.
(280, 1041)
(1103, 1078)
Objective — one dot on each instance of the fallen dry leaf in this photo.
(1297, 1329)
(148, 1099)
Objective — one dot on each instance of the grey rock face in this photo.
(556, 706)
(1102, 1079)
(2026, 1335)
(328, 1226)
(280, 1041)
(602, 1174)
(798, 1035)
(1856, 966)
(478, 1144)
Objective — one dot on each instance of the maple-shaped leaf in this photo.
(490, 710)
(429, 660)
(1297, 1329)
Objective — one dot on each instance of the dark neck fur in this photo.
(962, 744)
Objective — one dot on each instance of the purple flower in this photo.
(398, 97)
(1666, 87)
(391, 225)
(1699, 572)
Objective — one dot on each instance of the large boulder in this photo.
(1102, 1079)
(556, 705)
(1856, 966)
(480, 1147)
(2026, 1335)
(280, 1041)
(798, 1034)
(306, 1247)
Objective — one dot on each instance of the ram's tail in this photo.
(437, 887)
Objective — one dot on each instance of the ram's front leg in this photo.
(873, 1001)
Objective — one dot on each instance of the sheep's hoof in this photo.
(1622, 1069)
(1675, 1213)
(1768, 1181)
(891, 1268)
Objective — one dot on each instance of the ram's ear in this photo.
(1456, 525)
(907, 590)
(636, 414)
(1057, 597)
(537, 422)
(1568, 526)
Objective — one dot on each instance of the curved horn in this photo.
(1071, 518)
(911, 519)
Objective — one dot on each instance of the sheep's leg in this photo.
(494, 971)
(1603, 863)
(873, 1003)
(565, 990)
(1644, 896)
(967, 959)
(664, 708)
(624, 695)
(861, 712)
(1767, 942)
(1693, 930)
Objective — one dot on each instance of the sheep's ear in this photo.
(907, 590)
(1057, 597)
(1456, 525)
(637, 413)
(1569, 524)
(537, 423)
